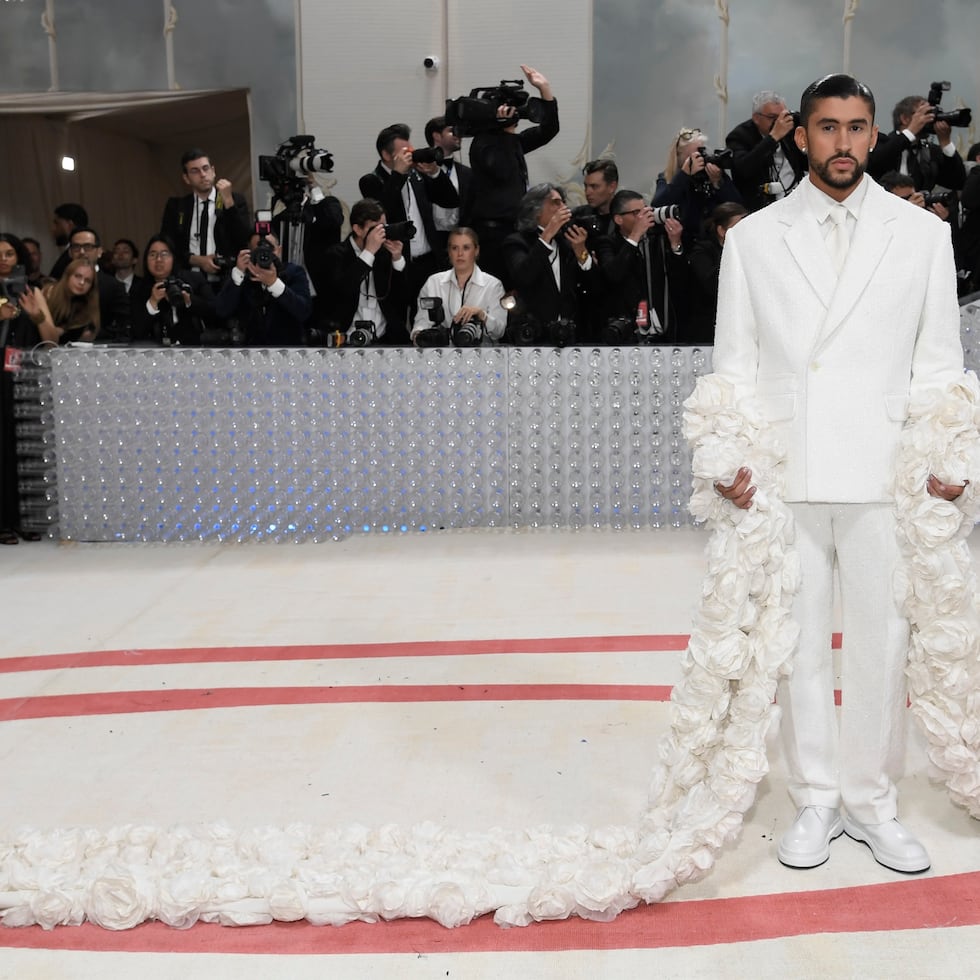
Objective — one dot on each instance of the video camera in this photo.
(477, 112)
(960, 117)
(286, 171)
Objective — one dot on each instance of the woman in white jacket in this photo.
(469, 296)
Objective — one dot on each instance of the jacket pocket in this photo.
(777, 396)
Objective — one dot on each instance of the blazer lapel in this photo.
(805, 244)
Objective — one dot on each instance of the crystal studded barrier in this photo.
(309, 444)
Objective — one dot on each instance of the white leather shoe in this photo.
(891, 844)
(807, 843)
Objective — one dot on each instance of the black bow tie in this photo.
(448, 164)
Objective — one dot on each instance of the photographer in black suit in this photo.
(269, 298)
(407, 187)
(909, 149)
(767, 162)
(500, 172)
(365, 278)
(547, 260)
(442, 136)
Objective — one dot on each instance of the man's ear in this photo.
(185, 178)
(874, 137)
(799, 137)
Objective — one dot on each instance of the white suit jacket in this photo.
(832, 362)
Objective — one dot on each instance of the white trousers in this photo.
(855, 762)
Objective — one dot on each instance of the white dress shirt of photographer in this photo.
(467, 292)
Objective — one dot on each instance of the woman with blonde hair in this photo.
(693, 185)
(67, 309)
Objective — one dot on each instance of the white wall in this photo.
(376, 48)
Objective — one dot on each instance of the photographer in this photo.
(903, 186)
(547, 261)
(468, 294)
(693, 183)
(767, 163)
(909, 149)
(407, 186)
(500, 180)
(270, 298)
(171, 308)
(443, 136)
(365, 278)
(209, 224)
(642, 274)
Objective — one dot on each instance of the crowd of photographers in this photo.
(443, 252)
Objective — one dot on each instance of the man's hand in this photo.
(374, 239)
(945, 491)
(558, 221)
(741, 491)
(917, 198)
(395, 249)
(643, 223)
(920, 119)
(401, 162)
(205, 263)
(265, 276)
(243, 260)
(428, 169)
(944, 133)
(576, 236)
(675, 231)
(538, 81)
(939, 210)
(223, 187)
(782, 125)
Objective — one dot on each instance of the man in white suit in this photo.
(834, 304)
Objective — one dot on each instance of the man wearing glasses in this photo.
(209, 226)
(114, 310)
(768, 164)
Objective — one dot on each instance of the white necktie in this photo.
(837, 238)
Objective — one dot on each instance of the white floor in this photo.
(467, 764)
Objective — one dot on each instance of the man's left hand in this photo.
(943, 132)
(223, 187)
(945, 491)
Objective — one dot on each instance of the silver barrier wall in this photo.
(307, 444)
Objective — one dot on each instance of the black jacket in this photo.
(191, 320)
(928, 165)
(232, 226)
(268, 320)
(753, 162)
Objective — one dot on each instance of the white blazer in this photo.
(832, 363)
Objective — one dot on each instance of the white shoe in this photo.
(891, 844)
(807, 843)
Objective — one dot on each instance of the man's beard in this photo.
(840, 181)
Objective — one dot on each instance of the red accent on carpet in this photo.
(135, 702)
(339, 651)
(922, 903)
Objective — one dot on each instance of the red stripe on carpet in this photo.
(924, 903)
(436, 648)
(135, 702)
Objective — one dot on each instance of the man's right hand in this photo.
(643, 223)
(205, 263)
(374, 239)
(740, 492)
(558, 221)
(920, 118)
(782, 125)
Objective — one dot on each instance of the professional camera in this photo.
(225, 262)
(477, 112)
(15, 284)
(960, 117)
(363, 335)
(263, 255)
(661, 214)
(945, 198)
(586, 218)
(469, 333)
(400, 231)
(432, 337)
(618, 330)
(174, 289)
(286, 171)
(428, 154)
(561, 332)
(724, 159)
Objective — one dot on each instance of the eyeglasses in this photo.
(83, 247)
(634, 211)
(158, 255)
(685, 135)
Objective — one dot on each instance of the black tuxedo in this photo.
(631, 273)
(927, 164)
(345, 273)
(753, 162)
(191, 320)
(529, 261)
(232, 226)
(265, 319)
